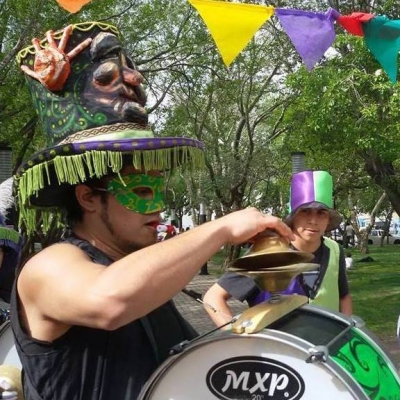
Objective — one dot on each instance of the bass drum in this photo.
(310, 354)
(8, 352)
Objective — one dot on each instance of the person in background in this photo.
(311, 215)
(349, 260)
(10, 243)
(350, 235)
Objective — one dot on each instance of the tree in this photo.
(237, 114)
(350, 109)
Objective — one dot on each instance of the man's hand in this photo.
(243, 225)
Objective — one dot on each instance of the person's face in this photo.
(310, 224)
(132, 230)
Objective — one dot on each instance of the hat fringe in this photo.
(29, 218)
(78, 168)
(9, 235)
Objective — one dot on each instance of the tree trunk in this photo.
(384, 175)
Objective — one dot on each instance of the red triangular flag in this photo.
(353, 22)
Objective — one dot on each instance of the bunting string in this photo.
(233, 25)
(311, 33)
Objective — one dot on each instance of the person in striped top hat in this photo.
(311, 214)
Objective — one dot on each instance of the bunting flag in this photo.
(382, 37)
(311, 33)
(353, 23)
(232, 25)
(73, 6)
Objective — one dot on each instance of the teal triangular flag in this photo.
(382, 37)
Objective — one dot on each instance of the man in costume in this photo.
(92, 315)
(310, 217)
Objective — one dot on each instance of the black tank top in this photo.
(94, 364)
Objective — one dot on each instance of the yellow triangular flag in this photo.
(232, 25)
(73, 6)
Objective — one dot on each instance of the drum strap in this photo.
(149, 332)
(328, 290)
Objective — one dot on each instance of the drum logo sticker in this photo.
(254, 378)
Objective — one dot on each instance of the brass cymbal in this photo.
(290, 267)
(270, 250)
(277, 278)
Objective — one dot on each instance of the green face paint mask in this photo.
(141, 193)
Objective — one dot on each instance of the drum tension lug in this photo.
(178, 348)
(318, 354)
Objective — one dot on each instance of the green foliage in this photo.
(344, 115)
(347, 101)
(375, 289)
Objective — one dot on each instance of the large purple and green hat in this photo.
(90, 101)
(312, 189)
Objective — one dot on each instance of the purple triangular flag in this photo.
(311, 33)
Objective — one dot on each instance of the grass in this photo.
(374, 287)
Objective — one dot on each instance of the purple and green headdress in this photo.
(312, 189)
(88, 95)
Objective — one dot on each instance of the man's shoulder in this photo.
(55, 254)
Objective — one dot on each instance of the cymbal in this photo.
(290, 267)
(270, 250)
(278, 278)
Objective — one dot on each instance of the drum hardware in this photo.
(197, 296)
(321, 353)
(318, 354)
(178, 348)
(260, 316)
(357, 321)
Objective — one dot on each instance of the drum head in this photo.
(268, 365)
